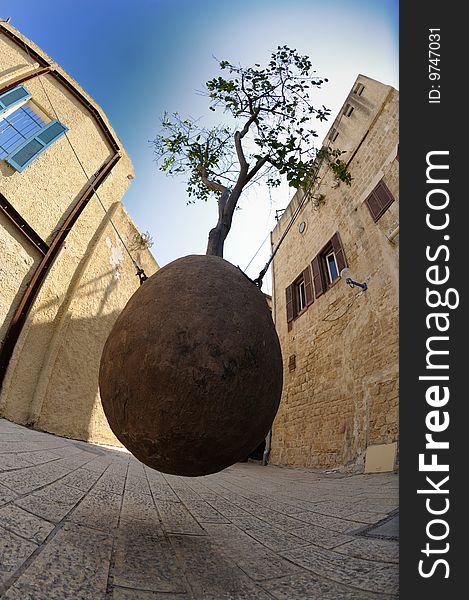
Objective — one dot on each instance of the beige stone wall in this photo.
(343, 394)
(52, 379)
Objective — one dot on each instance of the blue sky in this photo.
(138, 59)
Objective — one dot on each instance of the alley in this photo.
(86, 522)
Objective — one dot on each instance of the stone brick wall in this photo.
(341, 388)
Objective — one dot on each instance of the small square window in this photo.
(359, 89)
(334, 134)
(348, 110)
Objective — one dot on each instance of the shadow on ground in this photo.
(87, 522)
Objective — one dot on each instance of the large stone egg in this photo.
(191, 374)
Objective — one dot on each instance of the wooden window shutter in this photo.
(290, 310)
(373, 205)
(24, 154)
(308, 286)
(379, 200)
(318, 276)
(339, 252)
(296, 296)
(384, 195)
(12, 97)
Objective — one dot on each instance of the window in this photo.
(327, 265)
(24, 132)
(299, 295)
(379, 201)
(334, 134)
(332, 270)
(12, 99)
(348, 110)
(19, 126)
(313, 282)
(359, 89)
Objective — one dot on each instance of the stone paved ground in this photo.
(85, 522)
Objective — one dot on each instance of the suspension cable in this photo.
(139, 270)
(296, 212)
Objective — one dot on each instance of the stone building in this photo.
(340, 343)
(65, 241)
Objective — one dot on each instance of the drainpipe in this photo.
(393, 234)
(268, 439)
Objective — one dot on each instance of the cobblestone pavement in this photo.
(86, 522)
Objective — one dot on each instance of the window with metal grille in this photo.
(24, 134)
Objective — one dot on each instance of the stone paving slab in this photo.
(87, 522)
(73, 564)
(14, 550)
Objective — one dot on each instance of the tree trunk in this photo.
(216, 240)
(217, 236)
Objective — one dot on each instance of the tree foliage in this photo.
(268, 134)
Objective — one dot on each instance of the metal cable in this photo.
(140, 272)
(258, 280)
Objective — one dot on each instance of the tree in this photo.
(270, 137)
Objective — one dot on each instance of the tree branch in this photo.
(212, 185)
(249, 122)
(239, 151)
(238, 136)
(257, 167)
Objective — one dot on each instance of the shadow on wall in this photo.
(67, 401)
(54, 384)
(52, 379)
(23, 261)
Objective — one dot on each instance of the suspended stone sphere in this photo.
(191, 374)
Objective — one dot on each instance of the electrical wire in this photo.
(306, 195)
(140, 271)
(257, 252)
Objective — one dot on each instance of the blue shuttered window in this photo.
(23, 134)
(29, 150)
(15, 96)
(19, 126)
